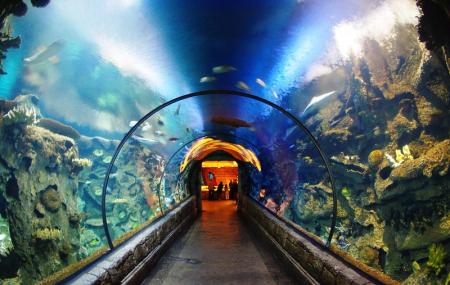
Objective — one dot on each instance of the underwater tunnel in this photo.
(222, 142)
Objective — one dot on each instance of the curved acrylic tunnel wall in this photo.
(153, 160)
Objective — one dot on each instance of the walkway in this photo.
(218, 249)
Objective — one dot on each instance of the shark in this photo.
(316, 99)
(46, 54)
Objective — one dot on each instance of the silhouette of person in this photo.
(219, 190)
(227, 193)
(210, 191)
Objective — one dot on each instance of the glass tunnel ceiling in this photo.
(124, 58)
(238, 134)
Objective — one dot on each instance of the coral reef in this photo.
(20, 116)
(82, 162)
(47, 234)
(38, 194)
(133, 182)
(436, 258)
(393, 109)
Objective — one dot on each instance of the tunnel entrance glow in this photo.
(205, 146)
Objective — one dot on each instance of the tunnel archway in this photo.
(214, 98)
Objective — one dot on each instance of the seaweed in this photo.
(436, 258)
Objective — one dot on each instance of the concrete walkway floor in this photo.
(218, 249)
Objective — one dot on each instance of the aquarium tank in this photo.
(369, 81)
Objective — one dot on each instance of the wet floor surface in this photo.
(219, 249)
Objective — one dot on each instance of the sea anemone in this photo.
(98, 152)
(107, 159)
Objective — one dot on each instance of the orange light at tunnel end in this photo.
(205, 146)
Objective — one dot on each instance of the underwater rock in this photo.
(6, 106)
(39, 209)
(408, 170)
(91, 143)
(51, 199)
(74, 218)
(59, 128)
(7, 40)
(349, 170)
(403, 129)
(36, 158)
(94, 192)
(435, 161)
(65, 249)
(40, 3)
(6, 245)
(321, 187)
(438, 232)
(90, 241)
(428, 114)
(335, 138)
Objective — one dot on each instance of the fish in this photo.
(242, 85)
(177, 111)
(144, 141)
(316, 99)
(260, 82)
(289, 132)
(46, 53)
(54, 59)
(173, 139)
(233, 122)
(145, 126)
(120, 201)
(275, 94)
(223, 69)
(188, 130)
(207, 79)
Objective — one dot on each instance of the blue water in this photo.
(119, 55)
